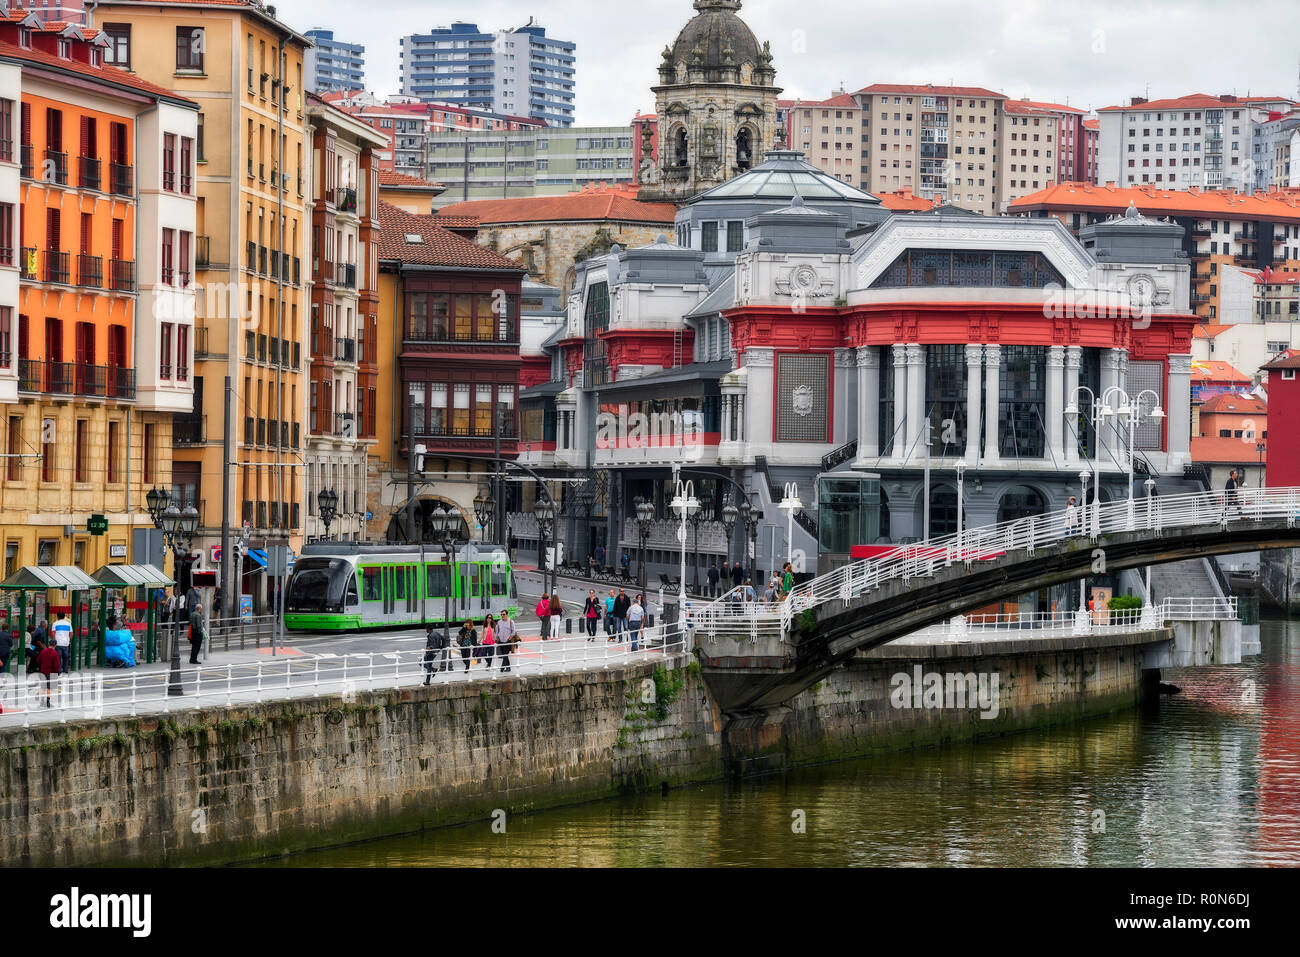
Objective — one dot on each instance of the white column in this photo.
(1179, 409)
(915, 401)
(760, 380)
(1111, 362)
(868, 397)
(992, 398)
(900, 401)
(974, 374)
(1073, 359)
(1055, 423)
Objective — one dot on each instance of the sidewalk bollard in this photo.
(568, 626)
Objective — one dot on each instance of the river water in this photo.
(1211, 778)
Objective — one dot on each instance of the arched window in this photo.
(744, 148)
(679, 147)
(1020, 501)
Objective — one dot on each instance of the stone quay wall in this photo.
(241, 783)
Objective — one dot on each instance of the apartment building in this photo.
(1276, 151)
(942, 142)
(827, 132)
(344, 317)
(516, 72)
(245, 69)
(1196, 140)
(1221, 228)
(1044, 143)
(505, 164)
(334, 64)
(97, 226)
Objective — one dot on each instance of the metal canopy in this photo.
(132, 576)
(42, 577)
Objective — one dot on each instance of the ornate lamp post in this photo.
(685, 504)
(327, 501)
(445, 523)
(790, 504)
(730, 515)
(545, 513)
(706, 502)
(485, 507)
(645, 516)
(178, 527)
(1130, 411)
(1099, 412)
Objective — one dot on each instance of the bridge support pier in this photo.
(753, 742)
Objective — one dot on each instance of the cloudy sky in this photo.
(1090, 53)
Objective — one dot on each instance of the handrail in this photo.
(990, 542)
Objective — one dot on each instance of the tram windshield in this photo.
(321, 584)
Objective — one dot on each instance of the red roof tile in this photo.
(931, 90)
(589, 205)
(1213, 370)
(455, 222)
(903, 201)
(841, 100)
(1226, 449)
(107, 74)
(1195, 101)
(1092, 124)
(1233, 403)
(1209, 330)
(1034, 106)
(439, 247)
(1152, 201)
(388, 177)
(1287, 360)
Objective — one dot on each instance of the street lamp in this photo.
(1130, 410)
(685, 504)
(484, 510)
(730, 515)
(445, 523)
(327, 501)
(706, 501)
(1099, 411)
(961, 482)
(645, 516)
(791, 504)
(1084, 478)
(545, 513)
(178, 527)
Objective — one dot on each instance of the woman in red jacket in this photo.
(49, 664)
(544, 615)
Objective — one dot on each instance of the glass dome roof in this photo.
(784, 174)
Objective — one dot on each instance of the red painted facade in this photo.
(1283, 466)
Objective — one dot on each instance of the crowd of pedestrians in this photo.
(496, 642)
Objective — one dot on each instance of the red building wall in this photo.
(1283, 469)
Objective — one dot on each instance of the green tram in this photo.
(347, 586)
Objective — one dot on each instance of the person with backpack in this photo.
(467, 639)
(543, 611)
(507, 639)
(635, 615)
(435, 653)
(591, 613)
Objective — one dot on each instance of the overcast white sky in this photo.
(1090, 53)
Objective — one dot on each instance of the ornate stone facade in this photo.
(716, 102)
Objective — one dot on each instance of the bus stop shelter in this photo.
(73, 581)
(148, 577)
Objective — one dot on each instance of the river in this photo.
(1211, 778)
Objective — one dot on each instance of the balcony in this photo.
(189, 429)
(326, 272)
(297, 435)
(120, 179)
(446, 430)
(27, 263)
(261, 260)
(1245, 259)
(124, 275)
(202, 257)
(345, 350)
(90, 380)
(121, 382)
(1199, 298)
(346, 275)
(248, 431)
(261, 431)
(25, 160)
(1244, 237)
(56, 168)
(90, 271)
(345, 198)
(345, 425)
(1200, 229)
(297, 271)
(88, 176)
(55, 267)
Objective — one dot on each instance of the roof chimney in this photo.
(1137, 101)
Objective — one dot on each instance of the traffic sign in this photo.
(97, 525)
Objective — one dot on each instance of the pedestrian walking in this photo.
(600, 556)
(591, 613)
(63, 642)
(467, 638)
(625, 563)
(610, 599)
(6, 648)
(486, 651)
(543, 612)
(750, 594)
(432, 652)
(1071, 517)
(182, 613)
(198, 631)
(621, 604)
(787, 578)
(557, 612)
(48, 664)
(713, 577)
(165, 604)
(1230, 495)
(635, 615)
(737, 575)
(507, 639)
(218, 600)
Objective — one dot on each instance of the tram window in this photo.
(438, 581)
(351, 598)
(370, 587)
(473, 581)
(399, 582)
(500, 581)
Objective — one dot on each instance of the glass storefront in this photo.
(848, 512)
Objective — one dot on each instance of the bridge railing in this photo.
(1100, 621)
(96, 694)
(991, 542)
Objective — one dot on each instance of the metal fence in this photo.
(98, 694)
